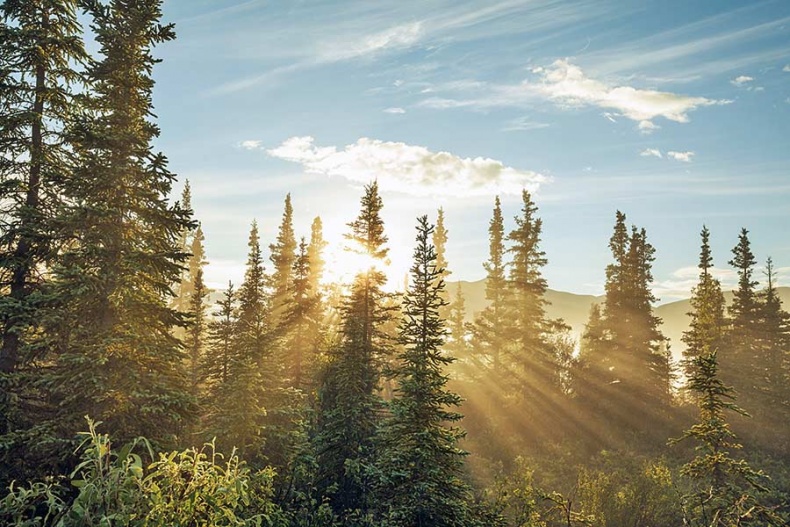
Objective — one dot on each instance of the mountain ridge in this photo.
(574, 309)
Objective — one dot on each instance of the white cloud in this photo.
(568, 86)
(648, 127)
(786, 69)
(394, 110)
(251, 144)
(408, 168)
(651, 152)
(681, 156)
(741, 80)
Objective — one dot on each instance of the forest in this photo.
(128, 397)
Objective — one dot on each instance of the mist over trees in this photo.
(128, 397)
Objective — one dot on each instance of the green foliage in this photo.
(194, 487)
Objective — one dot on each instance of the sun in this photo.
(347, 260)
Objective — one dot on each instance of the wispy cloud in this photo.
(677, 156)
(740, 80)
(647, 127)
(522, 124)
(409, 169)
(394, 110)
(682, 54)
(681, 156)
(566, 85)
(397, 37)
(651, 152)
(786, 69)
(250, 144)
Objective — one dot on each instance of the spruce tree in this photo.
(631, 376)
(117, 359)
(183, 287)
(739, 366)
(195, 338)
(302, 318)
(220, 341)
(283, 254)
(241, 401)
(488, 325)
(456, 343)
(348, 407)
(40, 48)
(440, 242)
(420, 463)
(708, 323)
(772, 343)
(725, 489)
(533, 366)
(315, 254)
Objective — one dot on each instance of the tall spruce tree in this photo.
(40, 48)
(740, 365)
(315, 254)
(183, 288)
(487, 327)
(283, 254)
(420, 462)
(457, 331)
(631, 373)
(772, 343)
(242, 400)
(348, 409)
(708, 324)
(440, 242)
(725, 490)
(220, 342)
(117, 359)
(533, 365)
(195, 337)
(303, 319)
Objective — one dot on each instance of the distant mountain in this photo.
(575, 309)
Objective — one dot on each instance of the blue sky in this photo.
(675, 112)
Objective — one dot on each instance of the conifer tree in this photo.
(40, 48)
(283, 254)
(487, 327)
(315, 254)
(440, 242)
(535, 366)
(183, 297)
(240, 408)
(420, 463)
(631, 374)
(708, 323)
(117, 358)
(303, 318)
(349, 406)
(725, 489)
(772, 343)
(221, 331)
(197, 311)
(739, 366)
(456, 343)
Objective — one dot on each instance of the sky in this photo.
(675, 112)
